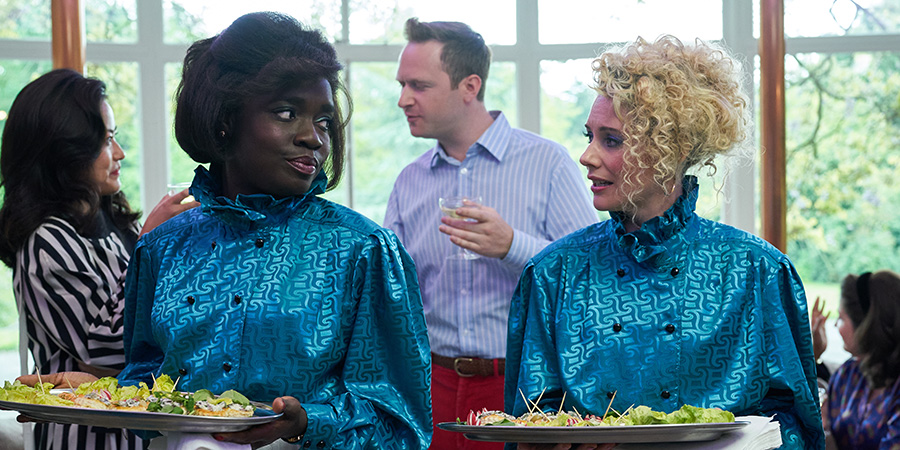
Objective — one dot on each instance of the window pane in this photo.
(566, 99)
(122, 91)
(14, 75)
(25, 19)
(842, 134)
(382, 21)
(840, 17)
(582, 21)
(382, 145)
(181, 166)
(110, 20)
(189, 20)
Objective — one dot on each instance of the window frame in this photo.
(152, 53)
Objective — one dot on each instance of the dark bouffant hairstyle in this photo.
(876, 328)
(257, 54)
(464, 52)
(53, 135)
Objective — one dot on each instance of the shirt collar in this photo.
(245, 210)
(494, 141)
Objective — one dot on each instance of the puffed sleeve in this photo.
(531, 357)
(143, 356)
(72, 297)
(387, 369)
(793, 391)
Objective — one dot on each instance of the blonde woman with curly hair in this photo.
(658, 306)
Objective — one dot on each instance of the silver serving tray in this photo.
(140, 420)
(688, 432)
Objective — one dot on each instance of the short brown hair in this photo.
(464, 52)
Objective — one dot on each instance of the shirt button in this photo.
(213, 245)
(321, 444)
(237, 299)
(226, 367)
(307, 444)
(259, 242)
(620, 272)
(610, 395)
(665, 394)
(190, 299)
(464, 171)
(617, 327)
(675, 271)
(182, 371)
(670, 328)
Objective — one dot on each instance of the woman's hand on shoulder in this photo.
(60, 379)
(170, 206)
(292, 423)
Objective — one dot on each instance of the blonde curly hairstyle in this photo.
(680, 106)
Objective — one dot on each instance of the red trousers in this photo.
(453, 396)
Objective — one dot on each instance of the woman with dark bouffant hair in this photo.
(267, 288)
(67, 231)
(862, 410)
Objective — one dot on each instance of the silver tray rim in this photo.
(687, 432)
(142, 420)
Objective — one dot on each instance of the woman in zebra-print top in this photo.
(67, 232)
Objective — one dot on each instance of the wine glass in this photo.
(449, 206)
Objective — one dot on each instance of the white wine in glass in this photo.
(449, 205)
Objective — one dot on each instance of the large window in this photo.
(842, 91)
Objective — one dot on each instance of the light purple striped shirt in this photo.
(536, 188)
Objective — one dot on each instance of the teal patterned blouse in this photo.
(298, 296)
(683, 311)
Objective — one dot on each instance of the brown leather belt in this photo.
(470, 367)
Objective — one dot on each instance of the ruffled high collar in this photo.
(651, 243)
(245, 211)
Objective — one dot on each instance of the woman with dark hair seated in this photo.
(862, 410)
(268, 288)
(67, 231)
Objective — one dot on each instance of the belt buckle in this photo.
(456, 362)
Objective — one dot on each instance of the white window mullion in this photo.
(150, 55)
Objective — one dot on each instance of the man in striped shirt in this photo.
(532, 193)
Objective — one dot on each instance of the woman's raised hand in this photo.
(817, 319)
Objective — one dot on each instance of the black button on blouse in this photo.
(675, 271)
(226, 367)
(610, 394)
(182, 371)
(665, 394)
(190, 299)
(260, 242)
(237, 299)
(620, 272)
(617, 327)
(670, 328)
